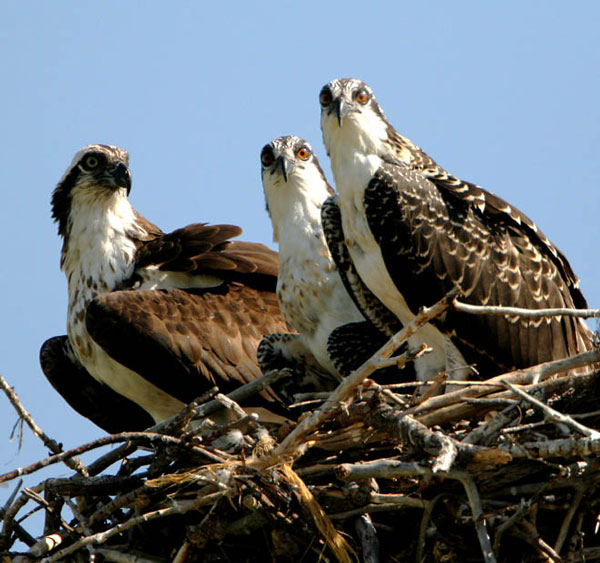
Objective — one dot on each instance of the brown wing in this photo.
(184, 342)
(201, 248)
(498, 209)
(432, 240)
(90, 398)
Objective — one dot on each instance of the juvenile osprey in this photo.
(200, 304)
(413, 231)
(311, 293)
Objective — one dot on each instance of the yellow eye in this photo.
(303, 153)
(362, 96)
(91, 162)
(267, 156)
(325, 97)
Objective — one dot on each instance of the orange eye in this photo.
(267, 157)
(362, 96)
(325, 97)
(303, 153)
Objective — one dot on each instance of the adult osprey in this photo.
(311, 293)
(414, 231)
(199, 306)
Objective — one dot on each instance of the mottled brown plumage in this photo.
(155, 318)
(414, 231)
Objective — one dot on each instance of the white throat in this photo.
(311, 295)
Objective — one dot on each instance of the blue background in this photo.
(506, 96)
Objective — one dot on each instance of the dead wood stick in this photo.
(291, 445)
(8, 521)
(478, 518)
(490, 428)
(553, 414)
(462, 410)
(532, 536)
(564, 529)
(527, 313)
(146, 437)
(101, 537)
(367, 536)
(397, 499)
(423, 527)
(391, 469)
(82, 486)
(519, 377)
(388, 469)
(72, 462)
(405, 428)
(563, 447)
(111, 457)
(119, 557)
(20, 532)
(366, 509)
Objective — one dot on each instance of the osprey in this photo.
(414, 231)
(154, 319)
(311, 293)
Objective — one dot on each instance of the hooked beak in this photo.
(342, 110)
(121, 176)
(286, 166)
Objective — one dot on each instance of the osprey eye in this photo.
(267, 157)
(303, 153)
(91, 162)
(362, 96)
(325, 97)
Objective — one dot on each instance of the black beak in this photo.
(342, 109)
(285, 165)
(121, 176)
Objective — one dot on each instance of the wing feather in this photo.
(184, 342)
(433, 236)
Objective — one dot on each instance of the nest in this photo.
(498, 470)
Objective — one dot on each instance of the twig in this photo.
(490, 428)
(531, 535)
(454, 409)
(397, 500)
(478, 518)
(147, 437)
(527, 313)
(72, 462)
(423, 528)
(553, 414)
(368, 538)
(238, 395)
(539, 372)
(101, 537)
(564, 529)
(563, 447)
(119, 557)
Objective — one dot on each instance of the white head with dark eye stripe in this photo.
(352, 120)
(293, 181)
(97, 172)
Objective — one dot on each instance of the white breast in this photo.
(97, 258)
(352, 173)
(311, 295)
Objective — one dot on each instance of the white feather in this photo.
(355, 150)
(311, 294)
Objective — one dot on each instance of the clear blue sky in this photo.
(504, 94)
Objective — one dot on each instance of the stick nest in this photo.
(499, 470)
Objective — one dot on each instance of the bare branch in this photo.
(527, 313)
(72, 462)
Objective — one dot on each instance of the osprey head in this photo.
(351, 116)
(97, 171)
(291, 177)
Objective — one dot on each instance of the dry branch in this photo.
(373, 478)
